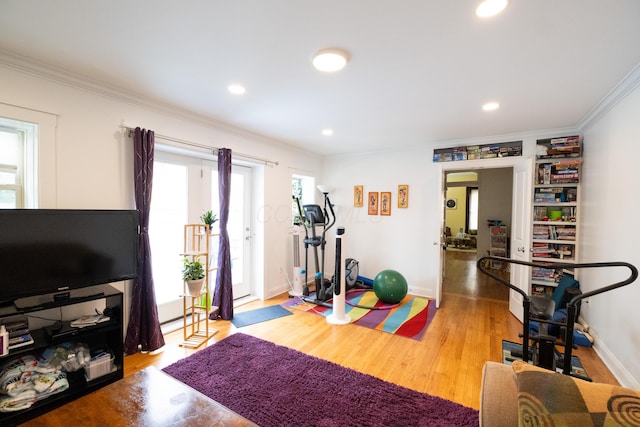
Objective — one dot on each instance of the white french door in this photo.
(239, 226)
(184, 187)
(520, 234)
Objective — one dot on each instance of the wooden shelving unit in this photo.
(555, 209)
(199, 244)
(498, 244)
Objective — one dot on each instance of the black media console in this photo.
(105, 335)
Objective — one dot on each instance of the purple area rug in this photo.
(273, 385)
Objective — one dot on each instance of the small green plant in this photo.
(192, 270)
(209, 218)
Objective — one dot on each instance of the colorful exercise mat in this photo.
(409, 318)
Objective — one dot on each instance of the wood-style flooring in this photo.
(467, 331)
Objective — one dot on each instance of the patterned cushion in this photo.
(546, 398)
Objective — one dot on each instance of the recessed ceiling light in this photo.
(330, 60)
(236, 89)
(327, 132)
(491, 7)
(490, 106)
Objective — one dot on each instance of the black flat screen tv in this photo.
(49, 251)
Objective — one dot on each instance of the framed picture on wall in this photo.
(372, 203)
(403, 196)
(385, 203)
(358, 196)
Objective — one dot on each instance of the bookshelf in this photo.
(498, 245)
(556, 200)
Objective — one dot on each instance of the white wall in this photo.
(93, 169)
(609, 217)
(495, 196)
(610, 205)
(93, 162)
(404, 240)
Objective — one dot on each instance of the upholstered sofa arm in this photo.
(498, 396)
(525, 395)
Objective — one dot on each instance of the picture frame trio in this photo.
(380, 201)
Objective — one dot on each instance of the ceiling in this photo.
(419, 72)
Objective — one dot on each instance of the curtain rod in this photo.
(267, 162)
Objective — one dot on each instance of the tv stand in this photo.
(104, 335)
(62, 296)
(55, 299)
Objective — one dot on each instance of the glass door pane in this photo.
(238, 226)
(166, 229)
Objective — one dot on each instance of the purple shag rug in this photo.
(273, 385)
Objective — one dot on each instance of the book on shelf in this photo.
(565, 142)
(16, 325)
(20, 341)
(563, 147)
(497, 230)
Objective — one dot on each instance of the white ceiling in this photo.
(419, 73)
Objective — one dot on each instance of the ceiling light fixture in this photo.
(236, 89)
(327, 132)
(330, 60)
(490, 106)
(490, 8)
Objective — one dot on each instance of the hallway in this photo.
(462, 277)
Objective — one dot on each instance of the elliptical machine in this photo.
(317, 216)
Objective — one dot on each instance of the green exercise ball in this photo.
(390, 286)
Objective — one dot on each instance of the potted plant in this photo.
(209, 218)
(193, 274)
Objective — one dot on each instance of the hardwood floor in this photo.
(462, 277)
(467, 330)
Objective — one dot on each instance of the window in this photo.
(472, 208)
(302, 188)
(17, 164)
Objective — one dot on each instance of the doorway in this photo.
(239, 229)
(474, 198)
(184, 186)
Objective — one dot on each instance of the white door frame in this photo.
(516, 162)
(241, 236)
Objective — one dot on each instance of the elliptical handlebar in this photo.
(561, 265)
(327, 202)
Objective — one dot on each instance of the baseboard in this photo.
(623, 376)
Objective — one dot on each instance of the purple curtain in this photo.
(143, 332)
(223, 292)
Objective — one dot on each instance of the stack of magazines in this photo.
(90, 320)
(18, 329)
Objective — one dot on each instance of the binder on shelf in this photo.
(20, 341)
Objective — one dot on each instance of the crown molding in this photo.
(628, 84)
(81, 82)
